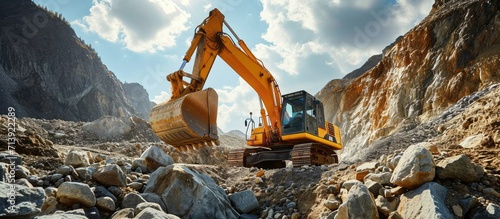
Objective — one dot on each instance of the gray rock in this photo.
(332, 204)
(367, 166)
(111, 175)
(468, 203)
(153, 197)
(131, 200)
(108, 127)
(139, 163)
(359, 204)
(84, 173)
(70, 193)
(11, 158)
(459, 167)
(155, 157)
(145, 205)
(373, 187)
(123, 213)
(50, 191)
(493, 210)
(244, 201)
(21, 172)
(349, 183)
(65, 170)
(62, 216)
(415, 168)
(116, 191)
(106, 203)
(20, 201)
(4, 169)
(101, 191)
(428, 201)
(55, 177)
(190, 194)
(385, 206)
(92, 213)
(290, 205)
(137, 186)
(49, 206)
(382, 178)
(77, 159)
(248, 216)
(149, 213)
(25, 182)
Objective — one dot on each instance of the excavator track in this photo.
(300, 155)
(312, 154)
(236, 157)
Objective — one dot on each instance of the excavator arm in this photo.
(188, 119)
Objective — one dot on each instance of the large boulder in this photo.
(244, 201)
(149, 213)
(189, 194)
(108, 128)
(70, 193)
(131, 200)
(359, 203)
(111, 175)
(415, 168)
(77, 159)
(459, 167)
(19, 201)
(155, 157)
(428, 201)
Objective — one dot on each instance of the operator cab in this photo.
(301, 112)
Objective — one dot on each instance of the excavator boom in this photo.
(189, 118)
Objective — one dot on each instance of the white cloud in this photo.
(143, 26)
(235, 104)
(207, 7)
(340, 35)
(162, 97)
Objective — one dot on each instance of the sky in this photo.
(304, 44)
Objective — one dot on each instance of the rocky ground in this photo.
(116, 168)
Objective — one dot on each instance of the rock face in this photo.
(415, 168)
(450, 54)
(139, 99)
(428, 201)
(189, 194)
(48, 72)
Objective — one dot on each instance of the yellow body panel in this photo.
(305, 137)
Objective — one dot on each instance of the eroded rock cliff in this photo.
(453, 52)
(46, 71)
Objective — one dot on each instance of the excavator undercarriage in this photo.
(299, 155)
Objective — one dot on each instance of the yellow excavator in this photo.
(291, 127)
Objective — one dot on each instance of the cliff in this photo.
(46, 71)
(453, 52)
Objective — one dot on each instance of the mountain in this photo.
(370, 63)
(452, 53)
(46, 71)
(139, 99)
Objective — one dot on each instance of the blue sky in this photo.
(304, 44)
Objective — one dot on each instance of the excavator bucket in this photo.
(187, 122)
